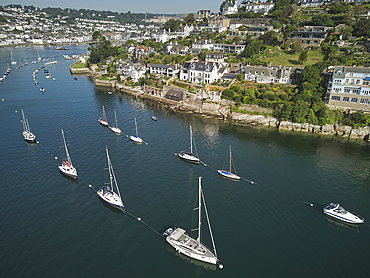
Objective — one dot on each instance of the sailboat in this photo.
(27, 134)
(67, 168)
(103, 121)
(193, 248)
(115, 129)
(228, 174)
(136, 137)
(12, 61)
(110, 193)
(25, 62)
(189, 156)
(39, 58)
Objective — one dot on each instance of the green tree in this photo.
(346, 32)
(96, 35)
(172, 24)
(296, 47)
(362, 28)
(202, 55)
(189, 19)
(303, 56)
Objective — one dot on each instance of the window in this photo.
(354, 99)
(336, 98)
(346, 91)
(346, 99)
(355, 91)
(364, 101)
(366, 83)
(263, 73)
(358, 81)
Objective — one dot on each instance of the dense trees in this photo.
(101, 50)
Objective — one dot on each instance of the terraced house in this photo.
(349, 88)
(202, 72)
(274, 74)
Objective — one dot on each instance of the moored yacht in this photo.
(338, 212)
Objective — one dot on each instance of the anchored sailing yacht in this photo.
(115, 129)
(67, 168)
(103, 121)
(136, 137)
(193, 248)
(27, 134)
(228, 174)
(107, 193)
(189, 156)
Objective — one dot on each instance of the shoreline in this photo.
(222, 112)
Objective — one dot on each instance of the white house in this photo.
(202, 72)
(230, 7)
(167, 70)
(274, 74)
(134, 71)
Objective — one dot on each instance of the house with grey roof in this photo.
(215, 57)
(273, 74)
(166, 70)
(349, 88)
(310, 35)
(132, 70)
(230, 7)
(202, 72)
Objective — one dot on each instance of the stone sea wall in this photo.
(329, 129)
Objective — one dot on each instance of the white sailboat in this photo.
(67, 168)
(27, 134)
(39, 58)
(189, 156)
(193, 248)
(115, 129)
(103, 121)
(136, 137)
(110, 193)
(228, 174)
(12, 61)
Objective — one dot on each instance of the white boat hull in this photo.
(186, 247)
(115, 130)
(136, 139)
(229, 175)
(188, 157)
(29, 137)
(337, 212)
(68, 170)
(103, 122)
(110, 197)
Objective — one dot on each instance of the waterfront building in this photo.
(166, 70)
(349, 88)
(202, 72)
(132, 70)
(273, 74)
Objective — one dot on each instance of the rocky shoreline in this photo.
(217, 111)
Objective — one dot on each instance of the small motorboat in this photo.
(338, 212)
(154, 118)
(42, 90)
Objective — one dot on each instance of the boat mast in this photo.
(209, 226)
(65, 146)
(115, 115)
(136, 127)
(200, 211)
(230, 159)
(112, 176)
(104, 115)
(191, 141)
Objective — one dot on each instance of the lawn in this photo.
(79, 66)
(287, 59)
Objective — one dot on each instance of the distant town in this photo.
(298, 61)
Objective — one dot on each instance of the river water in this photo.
(52, 226)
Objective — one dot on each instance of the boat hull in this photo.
(188, 157)
(115, 130)
(339, 213)
(228, 175)
(103, 123)
(29, 137)
(110, 197)
(136, 139)
(181, 248)
(68, 171)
